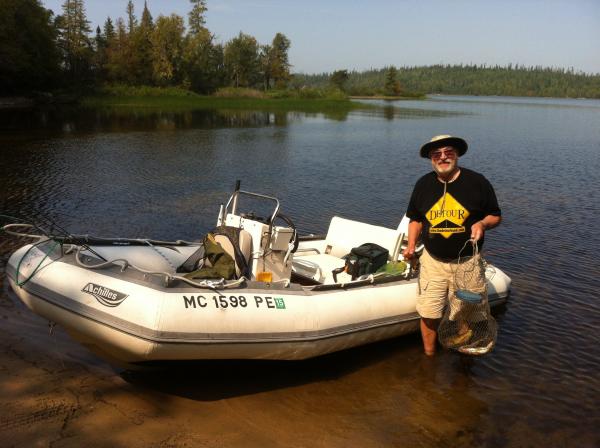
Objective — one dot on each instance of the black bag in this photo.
(362, 260)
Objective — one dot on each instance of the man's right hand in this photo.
(414, 230)
(408, 253)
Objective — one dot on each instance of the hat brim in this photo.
(458, 143)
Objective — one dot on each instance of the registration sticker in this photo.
(279, 303)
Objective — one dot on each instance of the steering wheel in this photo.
(254, 217)
(295, 240)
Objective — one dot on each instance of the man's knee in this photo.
(431, 324)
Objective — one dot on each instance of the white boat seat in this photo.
(245, 244)
(316, 259)
(403, 226)
(344, 234)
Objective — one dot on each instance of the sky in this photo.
(330, 35)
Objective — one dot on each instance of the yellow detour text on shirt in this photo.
(447, 216)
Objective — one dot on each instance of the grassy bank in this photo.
(306, 100)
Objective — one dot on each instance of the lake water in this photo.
(164, 174)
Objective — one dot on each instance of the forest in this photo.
(42, 52)
(466, 80)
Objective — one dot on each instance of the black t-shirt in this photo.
(447, 219)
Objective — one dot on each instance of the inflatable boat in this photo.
(128, 300)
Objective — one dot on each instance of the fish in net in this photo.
(467, 324)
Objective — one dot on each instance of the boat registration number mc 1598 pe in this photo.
(220, 301)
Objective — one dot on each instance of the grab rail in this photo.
(237, 193)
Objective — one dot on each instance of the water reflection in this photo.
(82, 120)
(43, 122)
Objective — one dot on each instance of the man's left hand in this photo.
(477, 230)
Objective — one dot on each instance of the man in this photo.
(448, 207)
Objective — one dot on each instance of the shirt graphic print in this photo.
(447, 216)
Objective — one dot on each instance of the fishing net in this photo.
(467, 325)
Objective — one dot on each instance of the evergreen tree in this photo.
(131, 18)
(109, 30)
(339, 78)
(280, 69)
(142, 52)
(118, 55)
(202, 62)
(196, 19)
(74, 42)
(29, 59)
(100, 54)
(392, 86)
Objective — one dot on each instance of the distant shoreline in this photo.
(182, 99)
(387, 98)
(232, 103)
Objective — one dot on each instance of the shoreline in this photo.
(388, 98)
(180, 99)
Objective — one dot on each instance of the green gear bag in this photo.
(217, 262)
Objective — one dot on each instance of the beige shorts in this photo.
(437, 282)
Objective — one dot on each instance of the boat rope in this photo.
(371, 278)
(41, 238)
(160, 253)
(7, 228)
(124, 264)
(37, 268)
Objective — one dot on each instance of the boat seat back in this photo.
(344, 234)
(244, 244)
(403, 226)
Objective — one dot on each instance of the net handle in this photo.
(475, 248)
(458, 261)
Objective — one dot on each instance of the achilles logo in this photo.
(105, 296)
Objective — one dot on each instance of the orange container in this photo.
(264, 277)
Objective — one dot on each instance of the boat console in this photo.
(271, 245)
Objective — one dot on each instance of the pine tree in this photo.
(281, 66)
(131, 19)
(118, 54)
(196, 18)
(339, 78)
(141, 43)
(392, 86)
(109, 30)
(73, 41)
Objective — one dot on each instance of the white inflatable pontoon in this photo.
(124, 300)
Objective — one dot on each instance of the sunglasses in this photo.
(446, 154)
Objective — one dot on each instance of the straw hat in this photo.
(439, 141)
